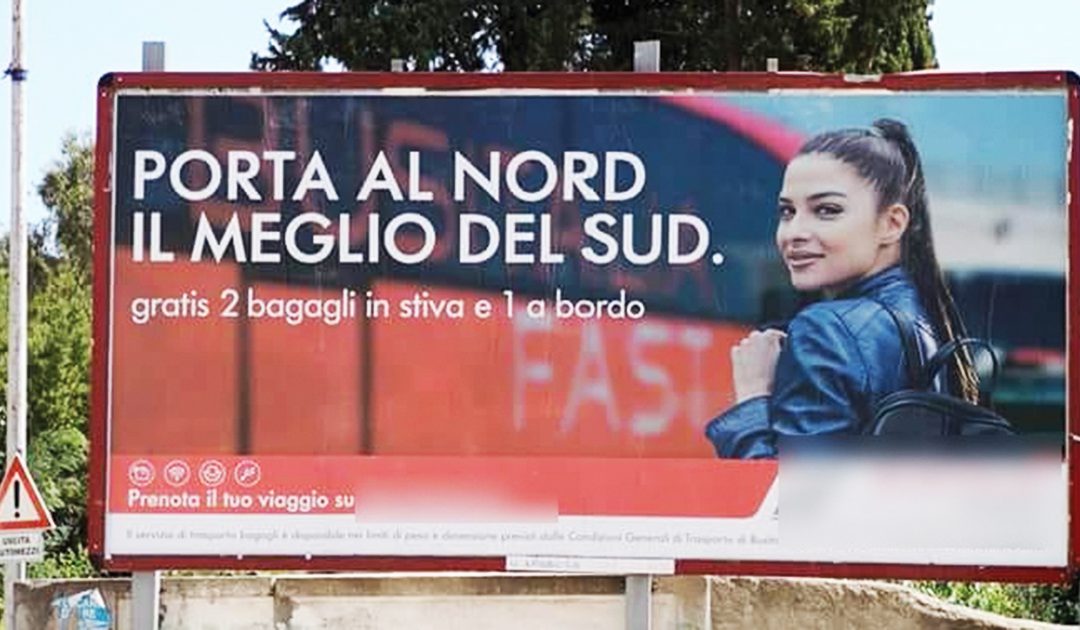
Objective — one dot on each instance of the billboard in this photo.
(371, 321)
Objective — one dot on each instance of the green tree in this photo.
(58, 403)
(701, 35)
(58, 347)
(1042, 602)
(67, 191)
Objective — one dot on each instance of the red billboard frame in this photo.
(111, 83)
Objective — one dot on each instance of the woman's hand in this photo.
(753, 363)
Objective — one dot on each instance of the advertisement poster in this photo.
(612, 323)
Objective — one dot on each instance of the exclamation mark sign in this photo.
(18, 488)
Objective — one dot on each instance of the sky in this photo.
(69, 45)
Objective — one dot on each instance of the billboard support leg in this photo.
(145, 599)
(638, 602)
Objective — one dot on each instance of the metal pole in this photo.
(647, 56)
(638, 602)
(146, 585)
(638, 595)
(146, 600)
(153, 56)
(17, 276)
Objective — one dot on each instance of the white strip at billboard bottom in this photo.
(1008, 513)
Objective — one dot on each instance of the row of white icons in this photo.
(211, 473)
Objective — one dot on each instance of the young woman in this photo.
(854, 228)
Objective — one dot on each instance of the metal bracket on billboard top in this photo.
(21, 505)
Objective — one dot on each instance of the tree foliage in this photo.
(58, 346)
(58, 407)
(1051, 603)
(863, 36)
(67, 191)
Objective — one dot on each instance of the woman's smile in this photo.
(798, 260)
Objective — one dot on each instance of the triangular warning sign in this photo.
(21, 506)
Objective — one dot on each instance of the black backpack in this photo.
(922, 412)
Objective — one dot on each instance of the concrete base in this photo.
(521, 602)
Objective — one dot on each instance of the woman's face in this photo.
(829, 233)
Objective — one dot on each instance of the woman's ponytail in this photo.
(920, 260)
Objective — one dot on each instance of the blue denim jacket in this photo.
(840, 358)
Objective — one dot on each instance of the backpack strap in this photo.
(913, 363)
(947, 351)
